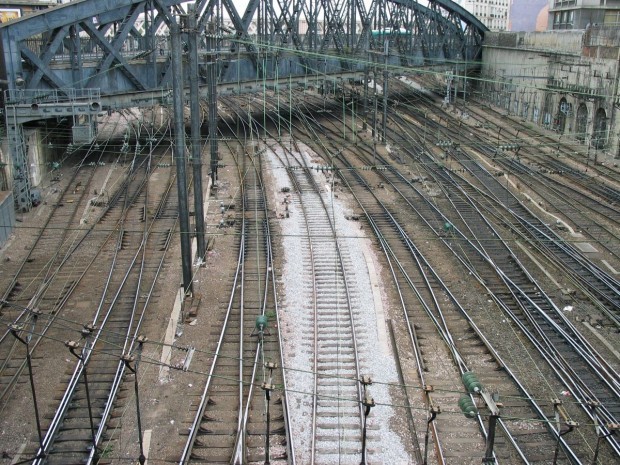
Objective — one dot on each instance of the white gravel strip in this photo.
(383, 445)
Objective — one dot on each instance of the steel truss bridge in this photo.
(80, 58)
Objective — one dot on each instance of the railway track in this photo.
(575, 152)
(599, 285)
(442, 336)
(63, 250)
(337, 411)
(497, 140)
(601, 379)
(332, 401)
(230, 425)
(553, 152)
(591, 278)
(75, 431)
(576, 363)
(421, 290)
(598, 220)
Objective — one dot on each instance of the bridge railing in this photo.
(90, 49)
(33, 96)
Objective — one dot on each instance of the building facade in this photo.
(565, 81)
(578, 14)
(494, 14)
(12, 9)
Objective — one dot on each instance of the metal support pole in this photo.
(456, 86)
(212, 83)
(368, 403)
(374, 115)
(127, 359)
(386, 46)
(19, 158)
(488, 455)
(76, 56)
(365, 110)
(465, 86)
(267, 399)
(194, 103)
(15, 329)
(268, 387)
(427, 434)
(73, 346)
(179, 154)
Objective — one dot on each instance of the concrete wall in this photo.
(557, 41)
(39, 158)
(565, 81)
(7, 216)
(37, 155)
(4, 165)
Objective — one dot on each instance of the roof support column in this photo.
(194, 106)
(179, 155)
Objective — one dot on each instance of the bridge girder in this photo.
(64, 55)
(121, 45)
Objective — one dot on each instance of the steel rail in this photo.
(589, 275)
(78, 372)
(534, 405)
(45, 280)
(609, 293)
(540, 412)
(239, 449)
(204, 398)
(87, 351)
(497, 234)
(59, 304)
(440, 323)
(605, 191)
(130, 339)
(314, 190)
(596, 360)
(567, 379)
(574, 335)
(447, 336)
(239, 455)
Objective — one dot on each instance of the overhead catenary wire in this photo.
(157, 363)
(150, 360)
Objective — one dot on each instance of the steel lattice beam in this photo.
(122, 47)
(92, 37)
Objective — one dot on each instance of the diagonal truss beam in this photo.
(112, 49)
(44, 71)
(310, 33)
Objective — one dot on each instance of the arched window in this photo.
(599, 133)
(547, 110)
(564, 110)
(582, 122)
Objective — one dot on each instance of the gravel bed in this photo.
(384, 444)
